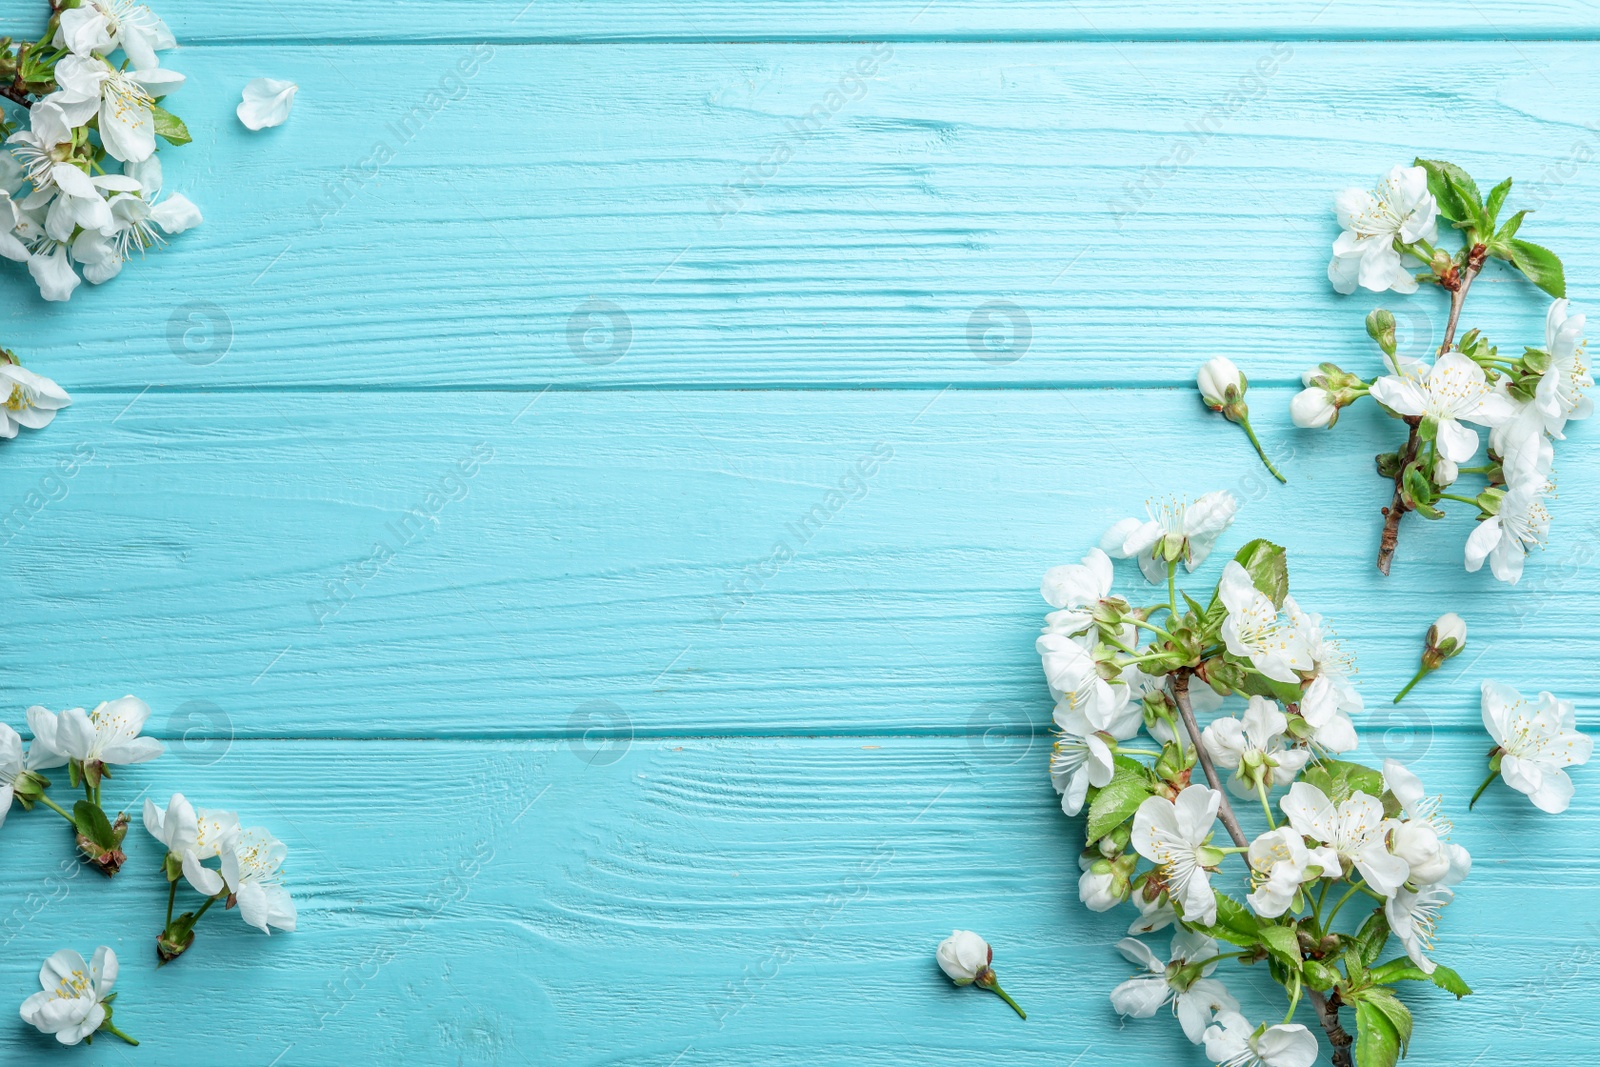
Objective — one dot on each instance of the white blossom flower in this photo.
(1448, 393)
(31, 400)
(1355, 830)
(1412, 915)
(102, 26)
(1255, 743)
(108, 735)
(1074, 680)
(1102, 885)
(1399, 209)
(12, 766)
(1279, 864)
(1082, 755)
(122, 99)
(137, 223)
(1535, 743)
(1232, 1042)
(44, 145)
(963, 956)
(1252, 629)
(1422, 836)
(47, 258)
(1155, 913)
(1330, 698)
(1561, 393)
(266, 102)
(252, 862)
(1195, 997)
(1172, 834)
(1521, 522)
(1176, 529)
(72, 1005)
(1075, 590)
(191, 836)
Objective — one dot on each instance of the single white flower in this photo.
(122, 99)
(137, 224)
(1074, 680)
(1522, 522)
(1155, 913)
(1176, 529)
(1232, 1042)
(107, 735)
(72, 1005)
(1082, 756)
(1195, 997)
(1331, 697)
(1279, 864)
(1075, 590)
(1355, 830)
(103, 26)
(31, 400)
(1252, 630)
(1313, 408)
(1254, 746)
(1421, 837)
(12, 767)
(266, 103)
(47, 258)
(1411, 918)
(1399, 210)
(1562, 389)
(1452, 391)
(963, 956)
(1172, 835)
(252, 862)
(191, 836)
(44, 145)
(1535, 742)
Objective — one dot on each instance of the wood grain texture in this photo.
(551, 224)
(732, 20)
(726, 901)
(724, 561)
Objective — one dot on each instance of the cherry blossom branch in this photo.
(1327, 1009)
(1456, 283)
(16, 95)
(1180, 693)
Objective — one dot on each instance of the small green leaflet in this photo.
(1119, 799)
(93, 824)
(1282, 943)
(170, 126)
(1268, 566)
(1403, 969)
(1454, 189)
(1542, 266)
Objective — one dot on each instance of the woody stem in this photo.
(1180, 693)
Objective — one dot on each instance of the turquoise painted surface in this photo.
(810, 769)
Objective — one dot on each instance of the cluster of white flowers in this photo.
(62, 206)
(1332, 831)
(75, 1000)
(1524, 402)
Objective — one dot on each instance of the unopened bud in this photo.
(1222, 387)
(1380, 327)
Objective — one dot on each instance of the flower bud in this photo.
(1446, 638)
(1314, 409)
(1445, 472)
(1222, 387)
(963, 956)
(1103, 886)
(1418, 844)
(1380, 327)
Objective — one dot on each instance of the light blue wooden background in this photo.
(803, 789)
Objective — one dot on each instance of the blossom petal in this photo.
(266, 102)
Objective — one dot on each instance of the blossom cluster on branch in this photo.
(74, 1003)
(1524, 401)
(1256, 693)
(81, 187)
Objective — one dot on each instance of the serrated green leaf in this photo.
(1402, 969)
(170, 126)
(1282, 943)
(1377, 1041)
(93, 824)
(1235, 924)
(1268, 566)
(1341, 780)
(1371, 938)
(1509, 230)
(1454, 189)
(1541, 266)
(1491, 206)
(1118, 799)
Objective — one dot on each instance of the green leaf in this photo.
(93, 824)
(1194, 605)
(1282, 943)
(1509, 230)
(1235, 924)
(1491, 206)
(1258, 684)
(1268, 565)
(1377, 1041)
(1454, 189)
(1542, 266)
(1402, 969)
(170, 126)
(1115, 804)
(1371, 938)
(1398, 1014)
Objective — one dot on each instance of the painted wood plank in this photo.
(984, 214)
(732, 20)
(525, 564)
(717, 901)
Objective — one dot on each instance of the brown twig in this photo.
(1180, 693)
(16, 96)
(1457, 285)
(1327, 1009)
